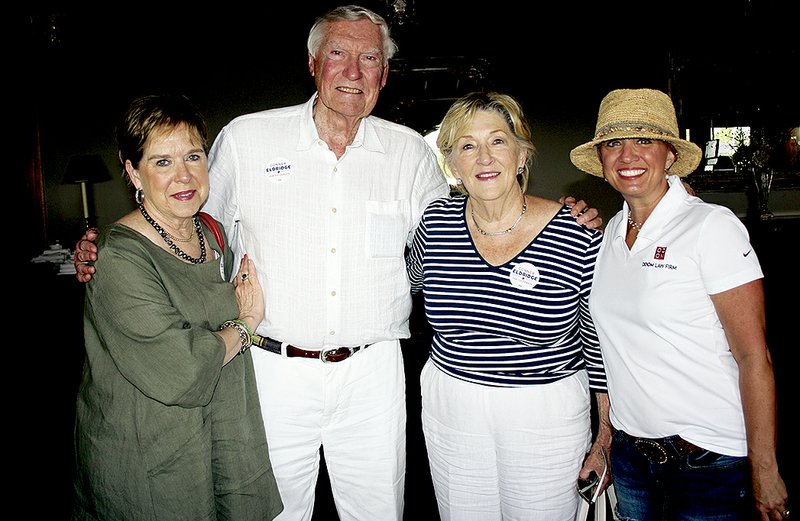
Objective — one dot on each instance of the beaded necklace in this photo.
(174, 247)
(636, 226)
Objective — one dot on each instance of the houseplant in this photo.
(758, 156)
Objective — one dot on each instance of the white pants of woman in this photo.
(356, 410)
(505, 453)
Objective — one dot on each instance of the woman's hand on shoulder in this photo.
(589, 217)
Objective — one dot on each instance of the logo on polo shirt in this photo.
(659, 255)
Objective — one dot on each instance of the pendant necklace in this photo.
(507, 230)
(636, 226)
(168, 238)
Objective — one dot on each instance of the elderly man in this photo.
(325, 198)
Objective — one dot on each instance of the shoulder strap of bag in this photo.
(606, 499)
(212, 225)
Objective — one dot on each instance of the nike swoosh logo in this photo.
(746, 254)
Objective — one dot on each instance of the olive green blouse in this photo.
(163, 431)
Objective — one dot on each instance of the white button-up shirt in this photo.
(327, 235)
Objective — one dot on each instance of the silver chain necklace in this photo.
(179, 239)
(507, 230)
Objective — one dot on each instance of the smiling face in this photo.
(636, 167)
(173, 174)
(486, 157)
(349, 69)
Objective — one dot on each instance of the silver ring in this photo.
(244, 277)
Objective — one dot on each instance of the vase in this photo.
(762, 178)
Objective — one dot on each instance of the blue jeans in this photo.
(700, 486)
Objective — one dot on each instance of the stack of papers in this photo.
(54, 255)
(67, 268)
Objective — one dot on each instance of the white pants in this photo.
(505, 453)
(356, 410)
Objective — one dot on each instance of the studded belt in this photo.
(327, 355)
(662, 450)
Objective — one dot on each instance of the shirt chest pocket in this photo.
(388, 225)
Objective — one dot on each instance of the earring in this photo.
(520, 170)
(459, 182)
(139, 196)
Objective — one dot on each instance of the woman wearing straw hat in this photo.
(678, 305)
(506, 276)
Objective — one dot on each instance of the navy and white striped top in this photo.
(525, 322)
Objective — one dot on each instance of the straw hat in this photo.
(634, 113)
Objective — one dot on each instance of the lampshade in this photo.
(86, 168)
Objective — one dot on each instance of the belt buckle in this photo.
(652, 450)
(335, 354)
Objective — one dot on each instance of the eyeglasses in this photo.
(589, 489)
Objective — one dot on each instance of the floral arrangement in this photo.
(765, 149)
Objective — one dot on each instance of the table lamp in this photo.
(83, 169)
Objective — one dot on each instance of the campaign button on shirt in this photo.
(279, 170)
(524, 276)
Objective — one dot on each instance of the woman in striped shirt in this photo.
(506, 276)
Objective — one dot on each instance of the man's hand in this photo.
(590, 217)
(85, 255)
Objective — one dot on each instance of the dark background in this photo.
(71, 68)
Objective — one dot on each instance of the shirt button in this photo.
(333, 250)
(333, 293)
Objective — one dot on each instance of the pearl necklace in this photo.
(168, 238)
(636, 226)
(507, 230)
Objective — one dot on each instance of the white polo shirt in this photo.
(327, 235)
(668, 364)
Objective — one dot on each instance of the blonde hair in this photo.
(460, 115)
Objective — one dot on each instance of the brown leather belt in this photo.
(327, 355)
(662, 450)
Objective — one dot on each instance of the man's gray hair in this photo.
(351, 13)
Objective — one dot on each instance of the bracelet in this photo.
(245, 335)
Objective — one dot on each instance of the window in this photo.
(729, 138)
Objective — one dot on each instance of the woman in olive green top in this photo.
(168, 424)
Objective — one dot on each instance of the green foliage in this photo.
(763, 149)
